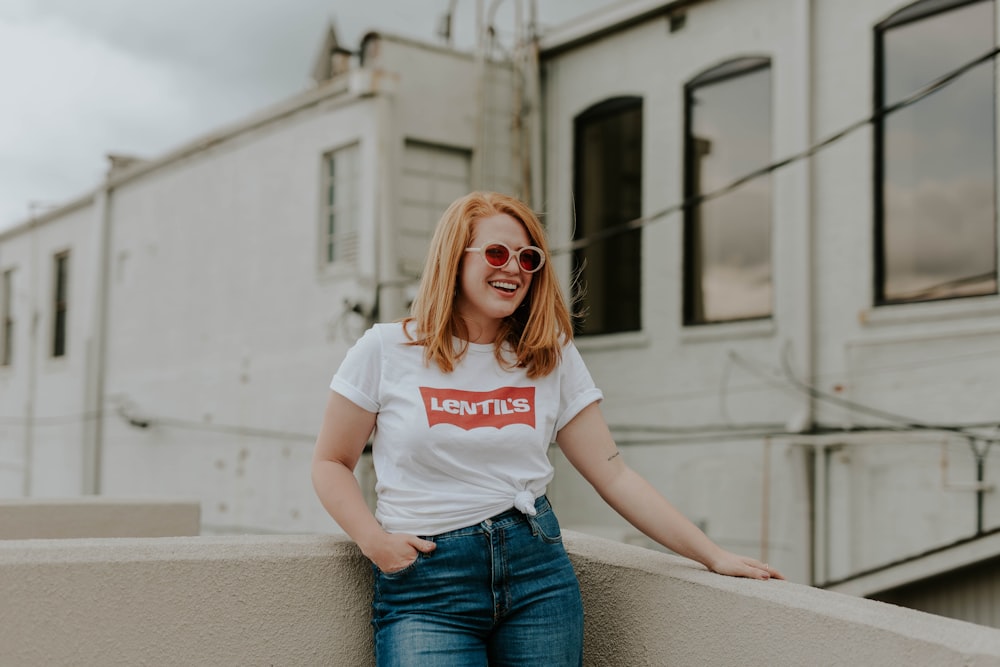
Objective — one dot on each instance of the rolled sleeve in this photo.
(360, 374)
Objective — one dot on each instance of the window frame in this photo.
(327, 240)
(597, 112)
(60, 304)
(917, 11)
(724, 71)
(6, 318)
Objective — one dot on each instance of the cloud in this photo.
(84, 78)
(736, 252)
(937, 232)
(83, 99)
(731, 293)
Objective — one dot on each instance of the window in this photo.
(341, 181)
(727, 240)
(607, 192)
(432, 178)
(935, 171)
(60, 295)
(7, 317)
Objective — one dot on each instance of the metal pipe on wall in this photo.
(33, 324)
(96, 371)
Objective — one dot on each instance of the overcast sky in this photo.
(83, 78)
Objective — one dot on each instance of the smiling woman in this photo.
(462, 400)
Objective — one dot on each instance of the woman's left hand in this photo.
(735, 565)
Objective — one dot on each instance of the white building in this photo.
(211, 292)
(806, 364)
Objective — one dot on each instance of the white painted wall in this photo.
(42, 398)
(936, 362)
(223, 326)
(883, 497)
(220, 314)
(666, 376)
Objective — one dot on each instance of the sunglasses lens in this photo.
(497, 255)
(530, 259)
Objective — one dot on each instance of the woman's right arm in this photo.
(342, 437)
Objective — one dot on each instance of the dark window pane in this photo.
(60, 305)
(607, 193)
(728, 239)
(937, 217)
(7, 318)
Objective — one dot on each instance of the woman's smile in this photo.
(487, 294)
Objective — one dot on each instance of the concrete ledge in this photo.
(305, 600)
(240, 600)
(95, 516)
(649, 608)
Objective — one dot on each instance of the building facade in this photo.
(783, 214)
(174, 333)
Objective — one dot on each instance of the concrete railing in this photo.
(304, 600)
(95, 516)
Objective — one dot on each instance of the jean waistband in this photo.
(505, 518)
(541, 503)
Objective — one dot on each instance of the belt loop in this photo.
(533, 523)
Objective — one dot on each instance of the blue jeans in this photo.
(502, 592)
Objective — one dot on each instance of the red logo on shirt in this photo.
(474, 409)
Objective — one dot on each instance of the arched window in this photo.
(607, 191)
(935, 168)
(727, 240)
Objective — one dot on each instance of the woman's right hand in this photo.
(392, 552)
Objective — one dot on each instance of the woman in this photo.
(464, 397)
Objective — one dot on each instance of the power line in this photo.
(695, 200)
(610, 232)
(773, 380)
(901, 423)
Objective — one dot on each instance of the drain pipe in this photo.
(806, 328)
(93, 399)
(28, 451)
(478, 142)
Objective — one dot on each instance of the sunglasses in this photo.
(529, 258)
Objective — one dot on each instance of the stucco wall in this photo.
(303, 600)
(93, 516)
(654, 609)
(184, 601)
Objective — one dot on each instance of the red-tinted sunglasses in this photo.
(529, 258)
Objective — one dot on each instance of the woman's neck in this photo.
(480, 333)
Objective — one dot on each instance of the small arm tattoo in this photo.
(613, 455)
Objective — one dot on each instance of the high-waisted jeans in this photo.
(501, 592)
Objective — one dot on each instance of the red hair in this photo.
(536, 331)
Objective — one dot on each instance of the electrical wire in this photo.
(772, 379)
(899, 423)
(637, 223)
(769, 378)
(916, 96)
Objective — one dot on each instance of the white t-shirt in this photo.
(453, 449)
